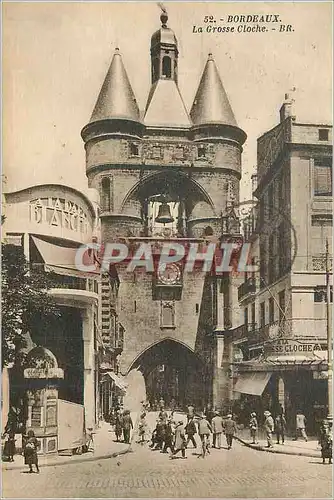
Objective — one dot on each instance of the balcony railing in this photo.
(248, 287)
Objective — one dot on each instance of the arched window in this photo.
(166, 67)
(105, 198)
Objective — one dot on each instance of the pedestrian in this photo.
(118, 425)
(30, 451)
(9, 448)
(204, 430)
(269, 428)
(230, 429)
(127, 425)
(180, 440)
(169, 436)
(300, 426)
(159, 435)
(209, 413)
(172, 405)
(253, 426)
(326, 441)
(190, 432)
(190, 411)
(280, 426)
(217, 429)
(163, 414)
(142, 426)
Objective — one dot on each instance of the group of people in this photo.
(276, 426)
(174, 436)
(122, 422)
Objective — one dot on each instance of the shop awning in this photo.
(252, 383)
(121, 384)
(61, 260)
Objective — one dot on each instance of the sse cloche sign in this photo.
(43, 373)
(290, 346)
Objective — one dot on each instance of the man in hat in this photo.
(269, 428)
(230, 429)
(127, 426)
(217, 429)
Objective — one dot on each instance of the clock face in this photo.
(170, 275)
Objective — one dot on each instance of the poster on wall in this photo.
(71, 430)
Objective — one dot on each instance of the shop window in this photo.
(322, 177)
(323, 134)
(166, 67)
(271, 310)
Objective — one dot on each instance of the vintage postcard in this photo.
(167, 250)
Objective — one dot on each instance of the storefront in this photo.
(50, 222)
(290, 374)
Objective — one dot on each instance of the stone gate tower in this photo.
(185, 167)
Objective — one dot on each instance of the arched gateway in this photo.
(171, 370)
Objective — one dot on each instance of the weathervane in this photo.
(164, 15)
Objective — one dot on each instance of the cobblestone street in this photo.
(239, 473)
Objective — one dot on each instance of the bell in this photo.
(164, 216)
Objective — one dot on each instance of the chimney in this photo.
(286, 109)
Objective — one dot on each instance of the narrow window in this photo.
(323, 134)
(281, 301)
(262, 314)
(166, 67)
(246, 316)
(197, 308)
(134, 150)
(271, 311)
(106, 194)
(201, 152)
(323, 177)
(253, 315)
(135, 306)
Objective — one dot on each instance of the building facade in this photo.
(283, 304)
(50, 222)
(167, 176)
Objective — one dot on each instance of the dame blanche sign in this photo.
(59, 212)
(290, 346)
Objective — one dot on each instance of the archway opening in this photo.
(172, 372)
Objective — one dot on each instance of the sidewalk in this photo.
(309, 448)
(105, 446)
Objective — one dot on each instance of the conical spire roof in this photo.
(116, 99)
(211, 104)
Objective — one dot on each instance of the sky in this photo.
(56, 55)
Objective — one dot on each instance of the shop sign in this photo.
(43, 373)
(59, 212)
(290, 346)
